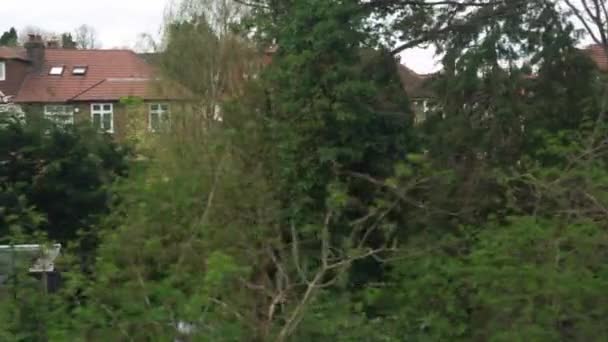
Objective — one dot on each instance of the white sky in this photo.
(119, 23)
(422, 61)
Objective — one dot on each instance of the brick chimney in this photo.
(35, 50)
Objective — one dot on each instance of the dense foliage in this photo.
(61, 174)
(298, 201)
(9, 38)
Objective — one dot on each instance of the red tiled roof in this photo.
(111, 75)
(13, 53)
(597, 53)
(115, 88)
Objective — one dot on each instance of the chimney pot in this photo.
(33, 37)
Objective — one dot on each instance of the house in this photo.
(423, 98)
(418, 89)
(69, 85)
(598, 55)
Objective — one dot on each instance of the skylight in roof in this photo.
(56, 71)
(79, 70)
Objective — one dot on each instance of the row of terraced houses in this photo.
(68, 85)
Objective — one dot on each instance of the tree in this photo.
(9, 38)
(85, 37)
(146, 43)
(67, 42)
(59, 173)
(525, 279)
(297, 202)
(592, 15)
(217, 184)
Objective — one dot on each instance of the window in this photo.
(159, 117)
(56, 71)
(102, 115)
(79, 70)
(421, 110)
(217, 113)
(2, 71)
(60, 114)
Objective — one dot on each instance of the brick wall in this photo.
(130, 121)
(15, 74)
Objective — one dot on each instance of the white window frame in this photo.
(421, 109)
(101, 111)
(79, 70)
(2, 70)
(161, 112)
(58, 70)
(68, 110)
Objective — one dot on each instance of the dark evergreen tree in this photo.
(60, 174)
(9, 38)
(67, 42)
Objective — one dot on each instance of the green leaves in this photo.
(338, 196)
(314, 211)
(60, 174)
(220, 268)
(525, 279)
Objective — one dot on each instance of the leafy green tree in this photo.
(297, 202)
(53, 183)
(526, 279)
(214, 200)
(62, 173)
(9, 38)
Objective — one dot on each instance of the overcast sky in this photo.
(119, 23)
